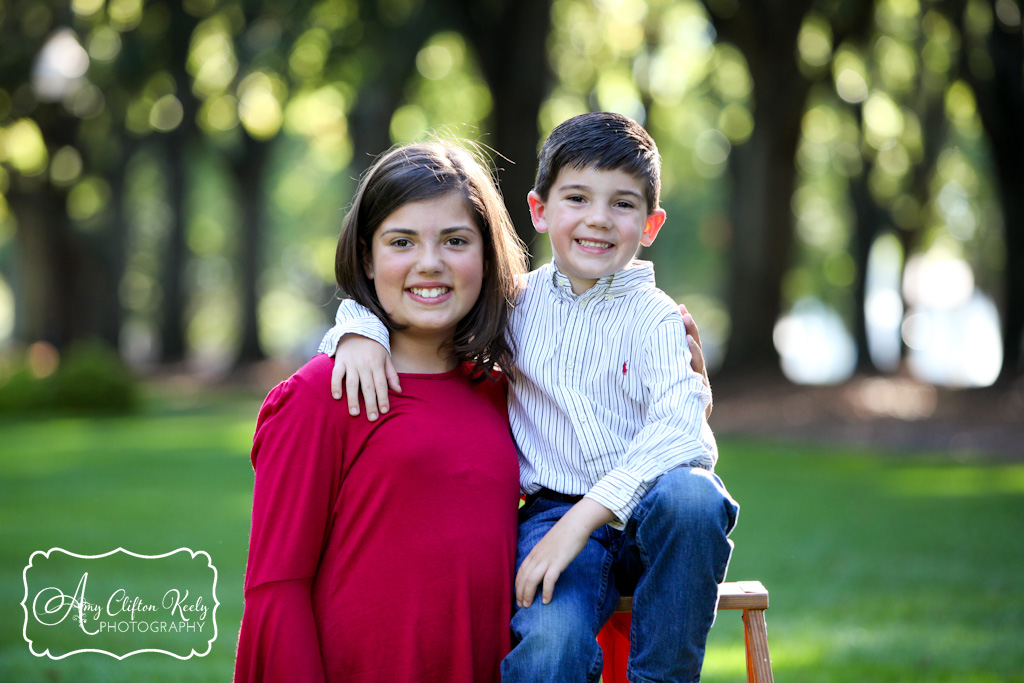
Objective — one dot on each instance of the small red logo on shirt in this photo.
(624, 367)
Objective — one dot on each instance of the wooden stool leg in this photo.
(755, 635)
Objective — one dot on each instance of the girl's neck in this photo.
(421, 356)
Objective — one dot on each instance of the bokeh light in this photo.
(60, 66)
(813, 344)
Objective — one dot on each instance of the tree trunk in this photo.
(177, 144)
(763, 178)
(44, 282)
(1001, 107)
(110, 315)
(383, 87)
(1000, 98)
(172, 306)
(512, 46)
(249, 169)
(763, 174)
(869, 221)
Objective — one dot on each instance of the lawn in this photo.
(881, 567)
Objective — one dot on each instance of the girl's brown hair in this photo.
(425, 171)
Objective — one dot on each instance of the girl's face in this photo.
(427, 266)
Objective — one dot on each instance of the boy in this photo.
(616, 456)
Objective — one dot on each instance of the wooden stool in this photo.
(749, 596)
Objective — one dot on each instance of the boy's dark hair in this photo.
(422, 172)
(607, 142)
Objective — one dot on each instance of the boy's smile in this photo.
(596, 219)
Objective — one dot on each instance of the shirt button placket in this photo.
(574, 340)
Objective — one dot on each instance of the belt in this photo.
(548, 494)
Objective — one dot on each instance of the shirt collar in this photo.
(634, 275)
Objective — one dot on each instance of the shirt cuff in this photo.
(367, 326)
(620, 492)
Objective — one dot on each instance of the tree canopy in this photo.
(173, 175)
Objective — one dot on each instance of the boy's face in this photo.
(596, 221)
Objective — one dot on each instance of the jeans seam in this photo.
(602, 597)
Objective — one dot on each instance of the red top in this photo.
(380, 551)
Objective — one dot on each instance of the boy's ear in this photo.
(654, 223)
(537, 210)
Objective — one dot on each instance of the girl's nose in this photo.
(430, 259)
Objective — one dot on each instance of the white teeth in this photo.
(596, 245)
(431, 293)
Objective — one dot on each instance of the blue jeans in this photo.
(671, 557)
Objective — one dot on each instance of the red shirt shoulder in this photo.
(316, 374)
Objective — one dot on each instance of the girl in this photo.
(385, 551)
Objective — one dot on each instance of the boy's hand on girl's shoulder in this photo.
(364, 365)
(696, 352)
(557, 549)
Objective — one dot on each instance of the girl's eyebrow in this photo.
(444, 231)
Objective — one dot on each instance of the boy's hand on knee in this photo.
(364, 364)
(559, 547)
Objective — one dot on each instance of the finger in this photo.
(337, 374)
(526, 584)
(691, 327)
(380, 389)
(549, 586)
(369, 389)
(696, 355)
(352, 391)
(389, 370)
(521, 581)
(529, 592)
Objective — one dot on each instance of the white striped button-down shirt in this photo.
(605, 401)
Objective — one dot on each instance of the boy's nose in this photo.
(597, 217)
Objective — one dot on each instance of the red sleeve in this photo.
(296, 458)
(278, 640)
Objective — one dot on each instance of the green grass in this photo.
(176, 476)
(881, 567)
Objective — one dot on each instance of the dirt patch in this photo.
(895, 414)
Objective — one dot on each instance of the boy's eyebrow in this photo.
(586, 188)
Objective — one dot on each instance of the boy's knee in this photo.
(553, 622)
(692, 494)
(552, 639)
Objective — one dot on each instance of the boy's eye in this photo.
(623, 204)
(574, 198)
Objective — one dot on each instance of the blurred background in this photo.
(844, 180)
(845, 188)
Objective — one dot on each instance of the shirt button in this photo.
(569, 365)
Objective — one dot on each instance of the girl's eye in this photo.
(457, 241)
(400, 242)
